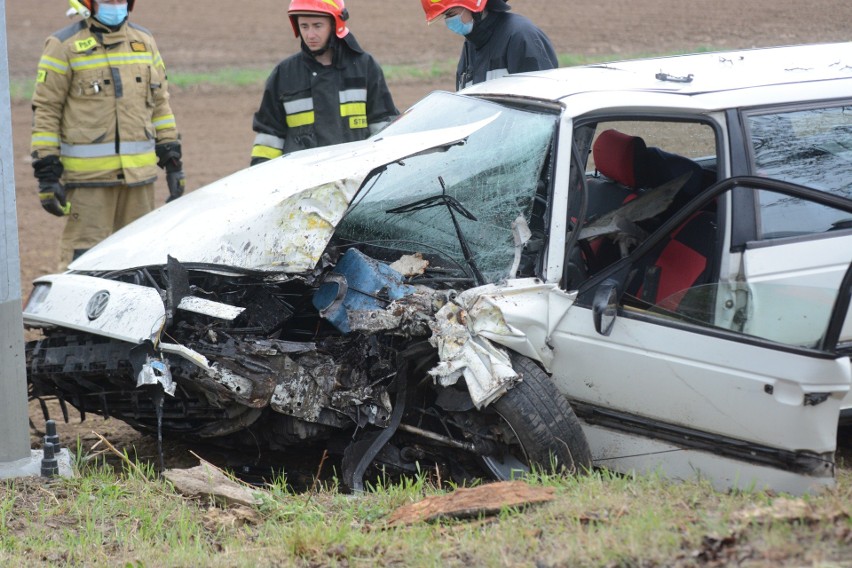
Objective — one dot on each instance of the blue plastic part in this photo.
(360, 284)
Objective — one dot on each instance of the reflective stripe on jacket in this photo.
(101, 104)
(306, 104)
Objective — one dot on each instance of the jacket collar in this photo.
(484, 29)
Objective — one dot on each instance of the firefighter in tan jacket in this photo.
(101, 125)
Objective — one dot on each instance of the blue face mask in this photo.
(111, 14)
(455, 24)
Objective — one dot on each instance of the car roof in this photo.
(690, 75)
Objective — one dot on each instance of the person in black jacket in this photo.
(332, 91)
(497, 43)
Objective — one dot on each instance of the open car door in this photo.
(718, 377)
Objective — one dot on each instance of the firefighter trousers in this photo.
(97, 212)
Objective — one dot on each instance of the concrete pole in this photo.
(14, 426)
(16, 457)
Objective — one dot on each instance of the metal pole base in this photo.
(31, 467)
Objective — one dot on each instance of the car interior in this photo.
(625, 169)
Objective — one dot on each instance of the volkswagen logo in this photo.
(97, 304)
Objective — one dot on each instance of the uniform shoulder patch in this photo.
(138, 46)
(42, 76)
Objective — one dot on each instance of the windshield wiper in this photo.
(453, 206)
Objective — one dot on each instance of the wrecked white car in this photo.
(641, 265)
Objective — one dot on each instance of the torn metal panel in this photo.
(486, 368)
(241, 388)
(520, 315)
(186, 353)
(208, 308)
(410, 316)
(154, 371)
(305, 389)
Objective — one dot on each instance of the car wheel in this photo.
(537, 427)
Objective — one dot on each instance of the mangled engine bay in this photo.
(260, 362)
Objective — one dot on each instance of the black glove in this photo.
(48, 171)
(255, 161)
(169, 158)
(177, 183)
(47, 168)
(52, 196)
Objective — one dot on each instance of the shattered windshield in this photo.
(455, 205)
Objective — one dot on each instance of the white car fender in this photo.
(519, 315)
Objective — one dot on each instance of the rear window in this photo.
(811, 147)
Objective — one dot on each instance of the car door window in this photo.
(637, 174)
(810, 147)
(669, 287)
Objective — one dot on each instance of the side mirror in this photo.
(605, 306)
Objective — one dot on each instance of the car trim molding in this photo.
(807, 463)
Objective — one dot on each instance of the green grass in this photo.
(21, 89)
(108, 517)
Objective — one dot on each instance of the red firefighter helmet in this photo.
(333, 8)
(92, 5)
(435, 8)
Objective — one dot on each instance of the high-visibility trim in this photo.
(353, 109)
(106, 149)
(142, 147)
(265, 152)
(45, 139)
(269, 140)
(301, 119)
(164, 122)
(108, 163)
(158, 62)
(88, 150)
(353, 96)
(299, 105)
(52, 64)
(111, 60)
(138, 160)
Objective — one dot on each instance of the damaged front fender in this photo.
(519, 315)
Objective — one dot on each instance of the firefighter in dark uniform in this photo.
(102, 124)
(332, 91)
(497, 43)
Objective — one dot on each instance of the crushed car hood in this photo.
(276, 217)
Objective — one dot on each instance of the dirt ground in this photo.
(216, 122)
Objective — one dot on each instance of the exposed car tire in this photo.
(544, 424)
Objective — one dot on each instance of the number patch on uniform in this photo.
(357, 122)
(41, 77)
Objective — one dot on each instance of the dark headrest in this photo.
(615, 155)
